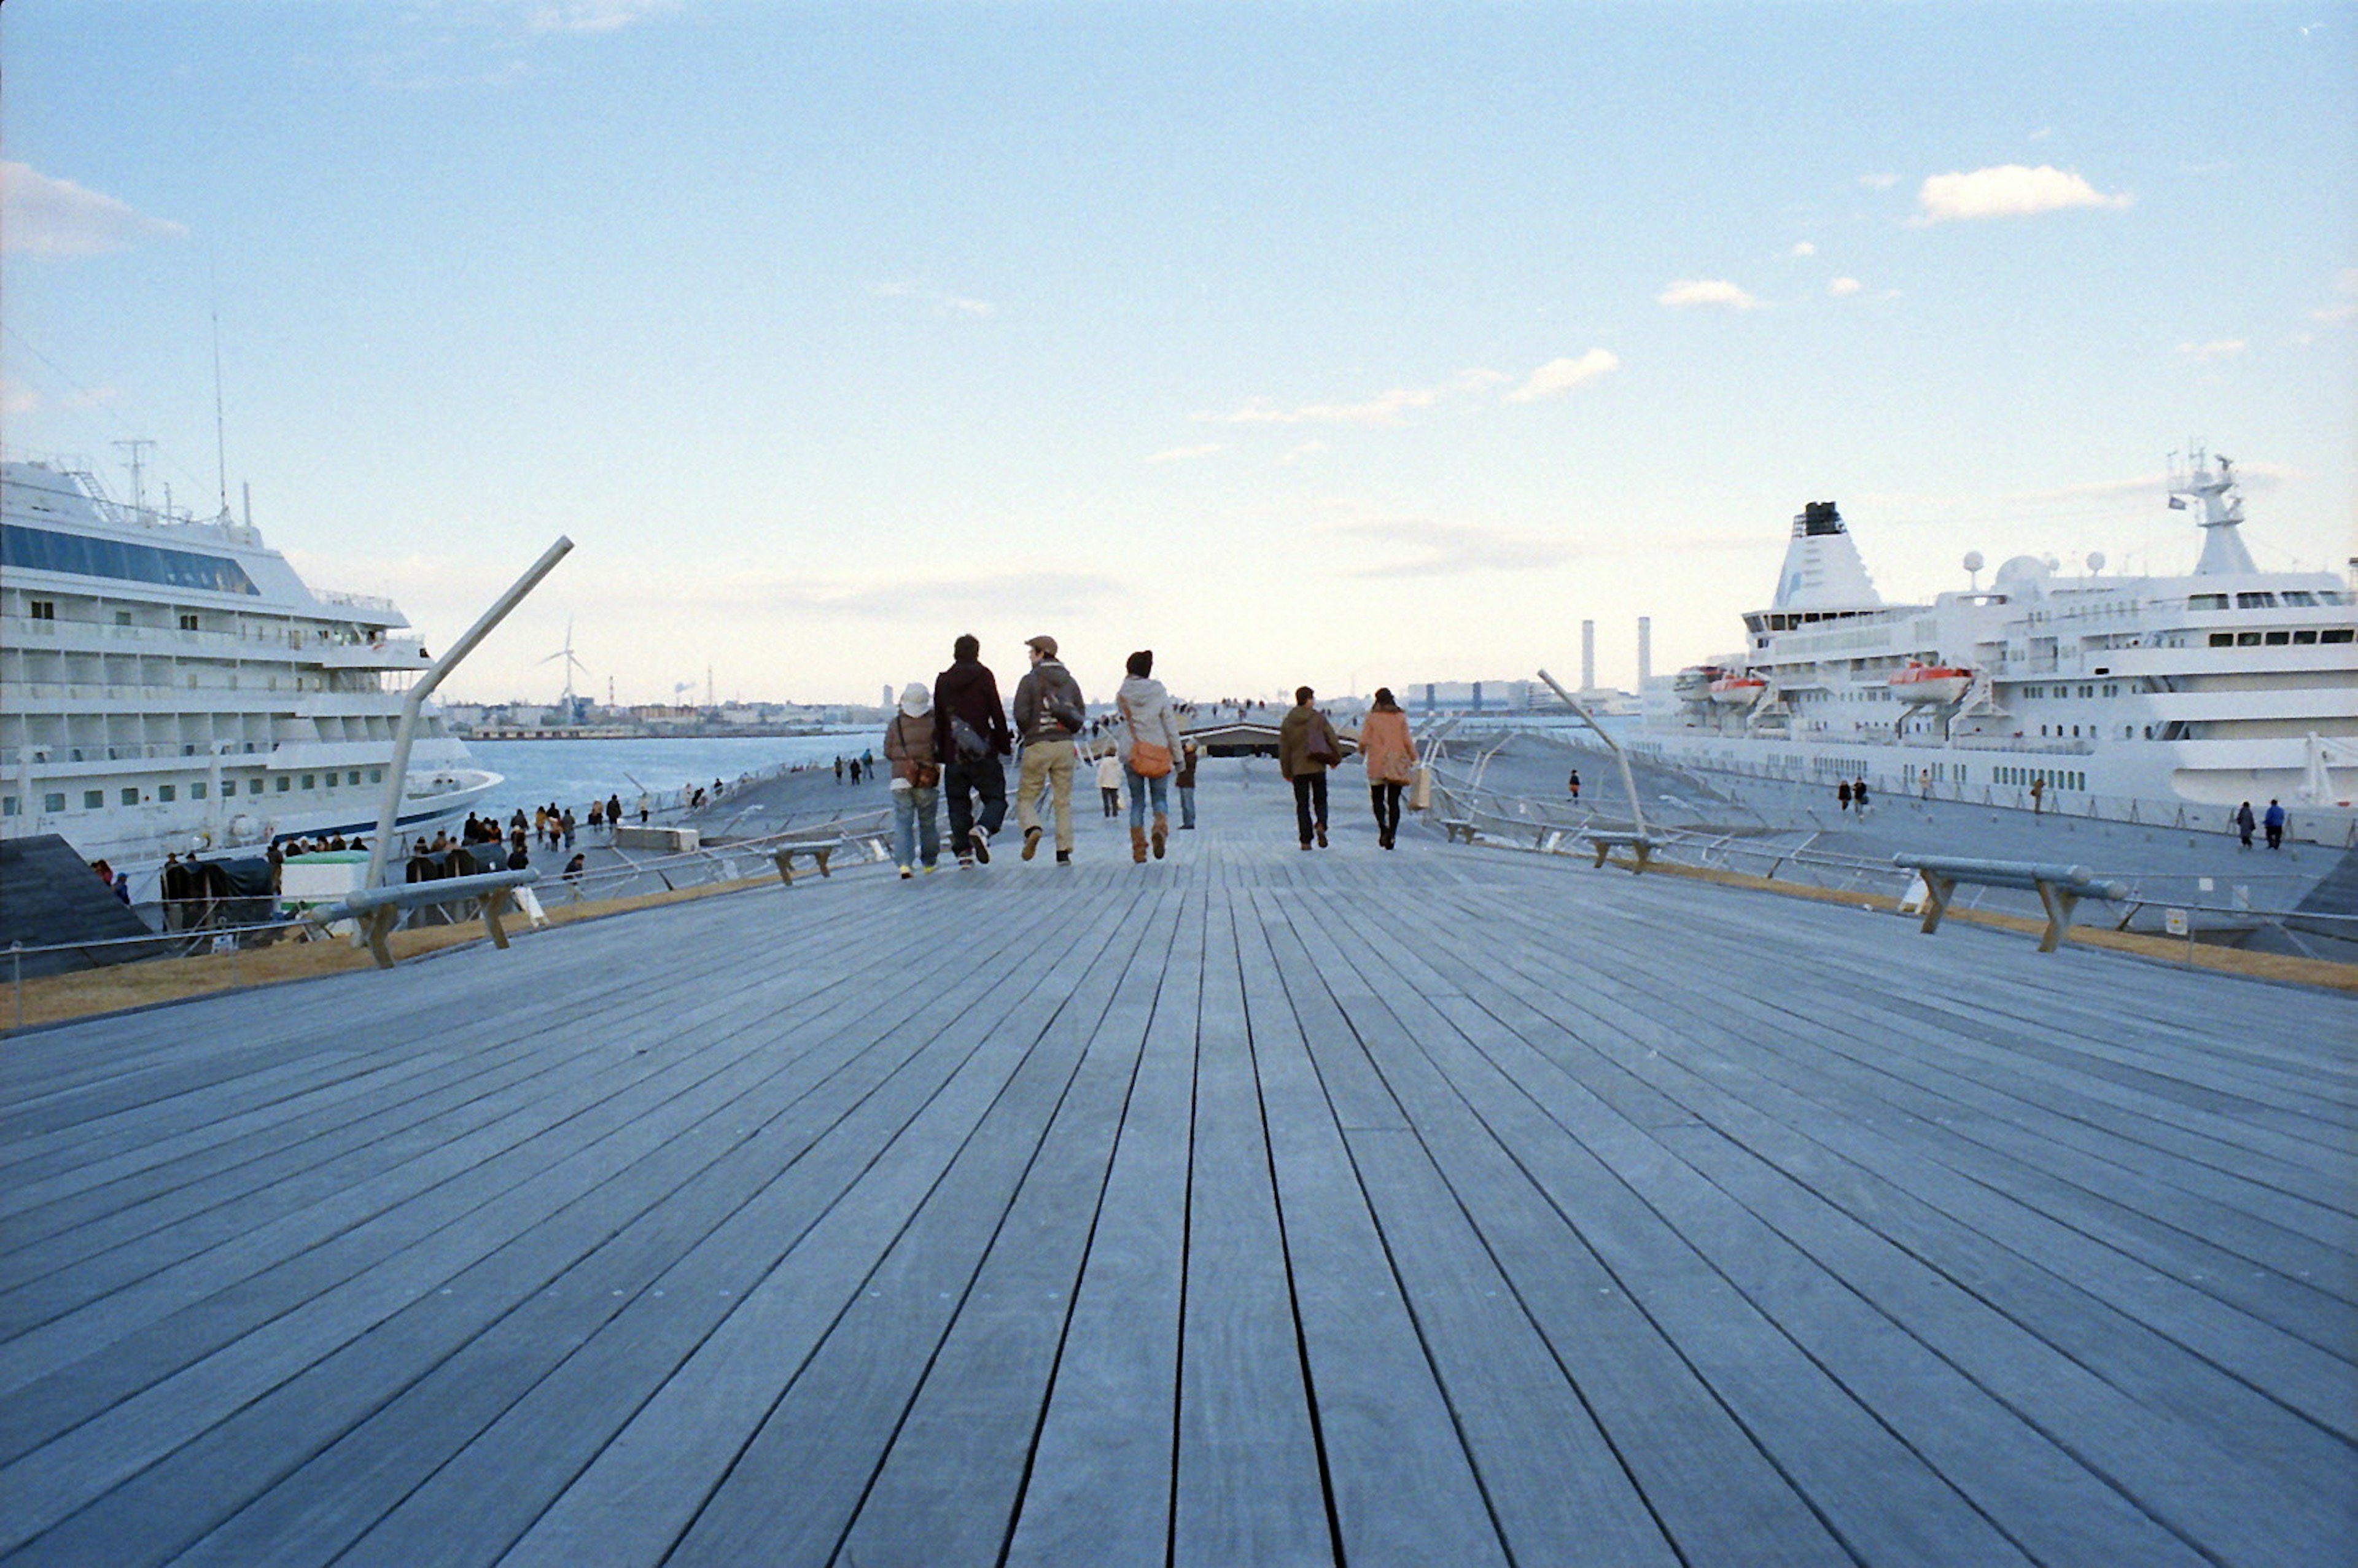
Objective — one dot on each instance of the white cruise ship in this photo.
(2224, 685)
(169, 685)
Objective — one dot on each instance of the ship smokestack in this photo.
(1645, 650)
(1588, 655)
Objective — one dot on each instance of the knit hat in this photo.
(915, 700)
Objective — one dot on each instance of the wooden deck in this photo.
(1256, 1208)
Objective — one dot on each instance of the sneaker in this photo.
(981, 839)
(931, 869)
(906, 874)
(1031, 842)
(1305, 843)
(965, 862)
(1064, 856)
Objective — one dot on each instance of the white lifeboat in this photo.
(1923, 685)
(1737, 690)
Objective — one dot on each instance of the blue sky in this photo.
(1322, 343)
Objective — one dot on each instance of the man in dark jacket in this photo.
(1049, 712)
(970, 736)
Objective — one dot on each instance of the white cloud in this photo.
(1294, 454)
(1803, 248)
(593, 15)
(1879, 182)
(943, 303)
(1181, 454)
(1421, 547)
(2346, 283)
(1561, 375)
(45, 217)
(2008, 190)
(2041, 134)
(1708, 291)
(2217, 349)
(1843, 288)
(1391, 408)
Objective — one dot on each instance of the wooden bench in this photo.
(2060, 887)
(378, 910)
(1640, 845)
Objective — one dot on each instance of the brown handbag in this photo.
(1147, 759)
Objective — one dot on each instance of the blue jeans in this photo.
(911, 807)
(1139, 787)
(1187, 806)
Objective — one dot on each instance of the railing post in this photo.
(16, 977)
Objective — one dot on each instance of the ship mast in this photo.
(2223, 553)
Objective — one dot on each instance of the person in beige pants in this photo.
(1049, 711)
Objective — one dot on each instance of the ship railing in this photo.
(2231, 908)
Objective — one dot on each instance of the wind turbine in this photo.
(572, 664)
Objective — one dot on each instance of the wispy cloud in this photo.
(1294, 454)
(1843, 288)
(592, 15)
(1803, 248)
(1392, 408)
(1183, 454)
(2007, 191)
(943, 303)
(1879, 182)
(1559, 377)
(17, 398)
(1712, 291)
(2217, 349)
(45, 217)
(2345, 285)
(1419, 548)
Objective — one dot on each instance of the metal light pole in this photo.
(1628, 781)
(397, 775)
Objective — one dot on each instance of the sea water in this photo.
(574, 772)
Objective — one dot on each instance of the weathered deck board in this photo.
(1437, 1205)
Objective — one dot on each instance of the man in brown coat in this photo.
(1306, 747)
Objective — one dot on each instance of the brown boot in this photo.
(1138, 845)
(1161, 833)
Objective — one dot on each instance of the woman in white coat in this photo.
(1149, 734)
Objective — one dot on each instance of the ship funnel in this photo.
(1822, 570)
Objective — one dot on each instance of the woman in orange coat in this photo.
(1392, 762)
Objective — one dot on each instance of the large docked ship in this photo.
(2224, 685)
(169, 685)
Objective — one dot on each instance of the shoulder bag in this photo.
(1146, 758)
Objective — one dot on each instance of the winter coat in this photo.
(1384, 739)
(1294, 731)
(908, 743)
(1150, 716)
(1048, 685)
(1109, 771)
(970, 691)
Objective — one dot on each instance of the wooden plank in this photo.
(1250, 1486)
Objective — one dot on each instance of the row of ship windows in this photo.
(47, 609)
(2294, 597)
(2112, 690)
(2279, 639)
(2061, 778)
(95, 799)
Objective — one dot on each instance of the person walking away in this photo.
(1306, 747)
(2037, 795)
(1858, 797)
(613, 812)
(1151, 746)
(573, 870)
(1183, 779)
(970, 736)
(1924, 783)
(1390, 754)
(1842, 795)
(2274, 821)
(1049, 711)
(916, 781)
(1109, 780)
(1572, 784)
(2245, 822)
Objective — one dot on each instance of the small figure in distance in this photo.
(2037, 795)
(1110, 781)
(916, 781)
(573, 870)
(970, 736)
(1924, 782)
(1149, 744)
(1306, 747)
(1049, 711)
(1572, 784)
(1858, 797)
(1842, 795)
(2245, 822)
(2274, 821)
(1390, 752)
(1184, 779)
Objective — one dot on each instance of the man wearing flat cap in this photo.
(1049, 712)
